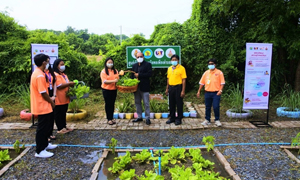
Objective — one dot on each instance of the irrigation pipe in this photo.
(151, 150)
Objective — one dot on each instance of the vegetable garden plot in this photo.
(176, 163)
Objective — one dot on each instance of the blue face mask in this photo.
(174, 63)
(211, 66)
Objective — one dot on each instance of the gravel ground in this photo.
(249, 162)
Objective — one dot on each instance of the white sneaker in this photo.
(218, 123)
(44, 154)
(51, 146)
(205, 123)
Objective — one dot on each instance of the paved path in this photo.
(157, 124)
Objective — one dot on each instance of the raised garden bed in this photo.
(108, 158)
(14, 158)
(292, 152)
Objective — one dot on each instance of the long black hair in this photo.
(55, 65)
(52, 73)
(106, 68)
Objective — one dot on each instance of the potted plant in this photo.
(152, 104)
(75, 111)
(24, 97)
(164, 108)
(80, 90)
(155, 107)
(121, 108)
(235, 100)
(290, 103)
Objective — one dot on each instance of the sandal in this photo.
(110, 122)
(62, 131)
(114, 121)
(69, 129)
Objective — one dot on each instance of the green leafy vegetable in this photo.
(120, 163)
(150, 176)
(128, 175)
(209, 142)
(4, 156)
(142, 156)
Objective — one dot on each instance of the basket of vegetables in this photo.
(126, 84)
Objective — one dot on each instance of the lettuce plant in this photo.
(128, 175)
(150, 176)
(120, 163)
(209, 142)
(296, 141)
(176, 154)
(142, 156)
(4, 156)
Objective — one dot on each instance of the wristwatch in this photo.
(221, 91)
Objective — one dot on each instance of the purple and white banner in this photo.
(257, 75)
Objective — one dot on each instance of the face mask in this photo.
(174, 63)
(47, 66)
(109, 65)
(140, 60)
(62, 68)
(211, 66)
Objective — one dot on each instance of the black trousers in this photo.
(60, 116)
(109, 98)
(175, 101)
(42, 131)
(52, 118)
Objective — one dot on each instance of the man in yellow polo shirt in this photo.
(213, 80)
(176, 80)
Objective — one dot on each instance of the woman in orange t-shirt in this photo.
(109, 76)
(61, 100)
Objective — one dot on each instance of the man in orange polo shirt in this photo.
(213, 80)
(41, 105)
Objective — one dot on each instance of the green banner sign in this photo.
(158, 56)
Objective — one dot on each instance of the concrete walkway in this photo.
(158, 124)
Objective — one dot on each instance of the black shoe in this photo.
(148, 122)
(170, 121)
(177, 122)
(137, 120)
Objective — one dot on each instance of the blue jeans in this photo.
(212, 99)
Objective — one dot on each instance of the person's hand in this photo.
(52, 98)
(167, 92)
(136, 75)
(116, 80)
(71, 84)
(219, 93)
(182, 94)
(198, 94)
(53, 105)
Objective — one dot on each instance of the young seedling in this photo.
(296, 141)
(112, 145)
(209, 142)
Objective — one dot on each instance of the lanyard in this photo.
(49, 77)
(65, 78)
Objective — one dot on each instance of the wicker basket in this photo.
(127, 89)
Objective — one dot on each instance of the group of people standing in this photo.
(48, 87)
(212, 79)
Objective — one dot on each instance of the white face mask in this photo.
(109, 65)
(62, 68)
(47, 66)
(140, 60)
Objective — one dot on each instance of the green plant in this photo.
(112, 145)
(176, 155)
(120, 163)
(209, 142)
(150, 176)
(4, 156)
(289, 98)
(24, 95)
(17, 146)
(76, 104)
(163, 162)
(180, 173)
(234, 98)
(128, 175)
(143, 156)
(296, 141)
(126, 81)
(154, 105)
(164, 107)
(78, 90)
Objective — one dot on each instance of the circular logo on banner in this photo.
(265, 94)
(159, 53)
(134, 52)
(148, 53)
(170, 52)
(259, 94)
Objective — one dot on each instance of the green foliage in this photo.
(142, 157)
(234, 98)
(76, 105)
(17, 146)
(128, 175)
(23, 92)
(180, 173)
(4, 156)
(209, 142)
(112, 145)
(78, 90)
(150, 176)
(154, 105)
(198, 159)
(296, 141)
(163, 106)
(176, 155)
(120, 163)
(289, 98)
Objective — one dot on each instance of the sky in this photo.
(98, 16)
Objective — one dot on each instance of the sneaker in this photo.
(205, 123)
(44, 154)
(218, 123)
(51, 146)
